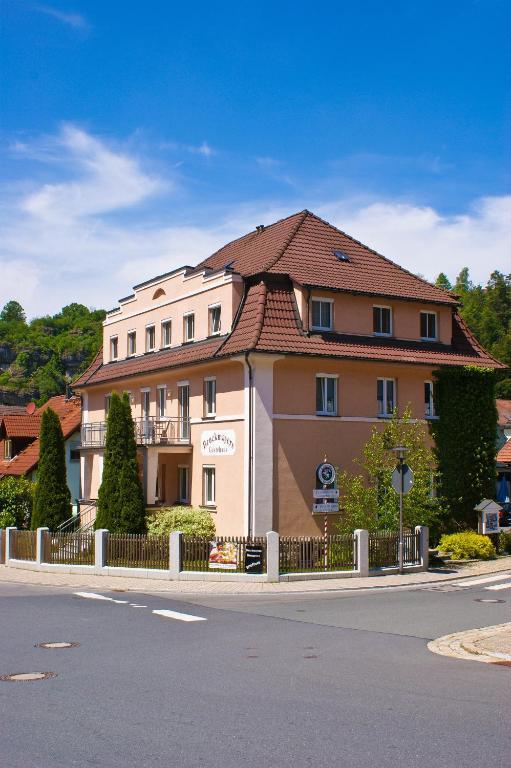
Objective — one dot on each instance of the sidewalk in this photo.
(107, 583)
(491, 645)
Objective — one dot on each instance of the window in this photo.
(214, 321)
(209, 397)
(386, 396)
(166, 333)
(107, 404)
(132, 343)
(161, 400)
(428, 326)
(322, 314)
(145, 402)
(209, 486)
(150, 338)
(326, 395)
(189, 327)
(8, 448)
(74, 454)
(114, 347)
(183, 475)
(382, 321)
(429, 405)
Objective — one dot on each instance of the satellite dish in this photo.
(31, 408)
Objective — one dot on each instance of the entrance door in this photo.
(184, 411)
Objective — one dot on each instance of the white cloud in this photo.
(73, 240)
(75, 20)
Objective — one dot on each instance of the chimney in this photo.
(260, 228)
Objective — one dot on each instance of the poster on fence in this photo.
(224, 555)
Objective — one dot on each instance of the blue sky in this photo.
(139, 136)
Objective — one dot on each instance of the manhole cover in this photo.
(23, 677)
(57, 645)
(488, 600)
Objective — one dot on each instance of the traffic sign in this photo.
(407, 478)
(326, 473)
(325, 493)
(325, 507)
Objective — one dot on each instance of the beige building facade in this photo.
(288, 344)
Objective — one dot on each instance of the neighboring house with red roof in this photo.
(504, 443)
(287, 344)
(19, 440)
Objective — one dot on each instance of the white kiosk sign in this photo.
(218, 442)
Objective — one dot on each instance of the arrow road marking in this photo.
(179, 616)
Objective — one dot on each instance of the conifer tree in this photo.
(109, 495)
(52, 499)
(131, 494)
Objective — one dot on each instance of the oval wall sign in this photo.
(218, 442)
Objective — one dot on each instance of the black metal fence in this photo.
(234, 554)
(314, 554)
(23, 545)
(68, 548)
(384, 549)
(134, 550)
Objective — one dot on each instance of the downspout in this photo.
(250, 443)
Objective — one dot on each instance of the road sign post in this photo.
(402, 481)
(325, 473)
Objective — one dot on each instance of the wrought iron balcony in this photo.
(150, 430)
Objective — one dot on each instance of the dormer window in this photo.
(132, 343)
(189, 327)
(114, 348)
(214, 320)
(321, 311)
(428, 326)
(382, 321)
(150, 338)
(8, 449)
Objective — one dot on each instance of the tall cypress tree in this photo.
(131, 493)
(109, 495)
(52, 499)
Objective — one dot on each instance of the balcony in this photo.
(148, 431)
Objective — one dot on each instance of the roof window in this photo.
(341, 256)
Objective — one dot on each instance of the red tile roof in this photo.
(303, 246)
(20, 425)
(9, 410)
(504, 412)
(504, 455)
(70, 415)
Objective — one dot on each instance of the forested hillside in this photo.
(487, 312)
(39, 357)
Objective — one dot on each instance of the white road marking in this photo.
(179, 616)
(94, 596)
(485, 580)
(125, 602)
(136, 605)
(500, 586)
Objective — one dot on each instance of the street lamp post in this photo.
(400, 451)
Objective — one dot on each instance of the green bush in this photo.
(505, 542)
(190, 520)
(16, 499)
(467, 545)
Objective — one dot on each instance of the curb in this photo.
(469, 645)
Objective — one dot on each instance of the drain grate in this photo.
(26, 677)
(487, 600)
(57, 645)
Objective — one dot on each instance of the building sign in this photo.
(325, 493)
(326, 473)
(223, 555)
(325, 507)
(218, 442)
(253, 559)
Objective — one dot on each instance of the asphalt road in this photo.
(268, 682)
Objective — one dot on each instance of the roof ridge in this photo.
(97, 357)
(289, 239)
(386, 258)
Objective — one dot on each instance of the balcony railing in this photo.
(148, 431)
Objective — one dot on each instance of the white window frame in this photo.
(211, 501)
(166, 322)
(183, 468)
(391, 324)
(211, 309)
(435, 315)
(325, 394)
(145, 392)
(385, 413)
(148, 328)
(8, 449)
(186, 317)
(161, 400)
(429, 407)
(114, 340)
(322, 300)
(206, 410)
(131, 335)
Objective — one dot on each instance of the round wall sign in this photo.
(326, 473)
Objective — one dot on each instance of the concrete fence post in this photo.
(8, 543)
(423, 532)
(175, 554)
(2, 546)
(100, 545)
(362, 545)
(272, 556)
(39, 545)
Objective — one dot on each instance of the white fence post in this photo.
(272, 556)
(8, 542)
(39, 545)
(175, 554)
(100, 543)
(362, 544)
(423, 532)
